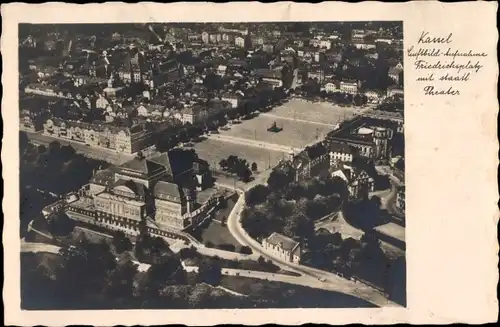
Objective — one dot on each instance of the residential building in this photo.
(359, 183)
(239, 41)
(330, 87)
(120, 139)
(205, 37)
(349, 87)
(283, 247)
(306, 167)
(270, 77)
(47, 90)
(395, 73)
(268, 47)
(340, 152)
(400, 199)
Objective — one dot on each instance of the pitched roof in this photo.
(284, 242)
(340, 147)
(103, 177)
(164, 160)
(168, 191)
(142, 166)
(137, 188)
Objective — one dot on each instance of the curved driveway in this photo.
(309, 276)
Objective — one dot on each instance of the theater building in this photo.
(140, 190)
(368, 136)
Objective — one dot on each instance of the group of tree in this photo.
(151, 249)
(237, 166)
(362, 258)
(293, 207)
(121, 242)
(365, 213)
(57, 169)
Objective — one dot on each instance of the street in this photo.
(108, 155)
(310, 276)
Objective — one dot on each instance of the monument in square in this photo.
(274, 128)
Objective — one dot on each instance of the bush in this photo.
(30, 236)
(121, 242)
(256, 195)
(188, 253)
(227, 247)
(246, 250)
(209, 244)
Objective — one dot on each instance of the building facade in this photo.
(120, 139)
(283, 247)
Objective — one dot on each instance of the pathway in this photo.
(253, 143)
(310, 276)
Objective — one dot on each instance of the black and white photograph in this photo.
(212, 165)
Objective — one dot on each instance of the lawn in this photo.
(296, 295)
(214, 232)
(218, 234)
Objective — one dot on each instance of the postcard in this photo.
(249, 163)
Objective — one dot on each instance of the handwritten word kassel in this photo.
(439, 64)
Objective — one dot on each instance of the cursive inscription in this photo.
(441, 67)
(426, 39)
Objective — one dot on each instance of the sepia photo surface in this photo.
(239, 163)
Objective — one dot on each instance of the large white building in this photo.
(283, 247)
(349, 87)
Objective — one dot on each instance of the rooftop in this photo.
(284, 242)
(143, 166)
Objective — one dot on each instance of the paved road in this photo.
(39, 247)
(92, 152)
(310, 276)
(266, 114)
(252, 143)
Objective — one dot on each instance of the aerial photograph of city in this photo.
(212, 165)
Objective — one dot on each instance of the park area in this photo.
(295, 295)
(214, 232)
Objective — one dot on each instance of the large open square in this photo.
(213, 151)
(313, 112)
(303, 123)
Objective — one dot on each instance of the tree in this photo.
(188, 253)
(167, 272)
(54, 147)
(244, 173)
(23, 141)
(210, 272)
(151, 249)
(256, 195)
(278, 179)
(224, 164)
(254, 166)
(60, 224)
(246, 250)
(121, 242)
(84, 273)
(227, 247)
(121, 281)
